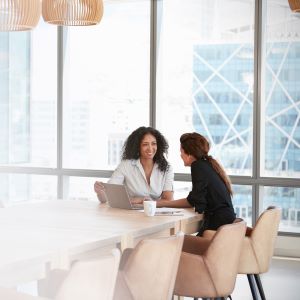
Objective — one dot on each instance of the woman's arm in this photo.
(99, 189)
(180, 203)
(167, 195)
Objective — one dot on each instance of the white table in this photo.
(38, 237)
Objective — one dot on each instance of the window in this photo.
(242, 202)
(28, 97)
(198, 69)
(106, 83)
(288, 199)
(81, 188)
(281, 117)
(16, 188)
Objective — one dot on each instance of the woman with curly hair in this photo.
(144, 169)
(211, 188)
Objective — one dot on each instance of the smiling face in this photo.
(148, 146)
(186, 158)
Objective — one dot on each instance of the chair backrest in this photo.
(150, 270)
(222, 256)
(91, 279)
(263, 237)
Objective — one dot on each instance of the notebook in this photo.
(117, 196)
(167, 211)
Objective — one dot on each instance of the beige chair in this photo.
(149, 270)
(90, 279)
(208, 267)
(258, 247)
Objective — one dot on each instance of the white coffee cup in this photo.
(149, 207)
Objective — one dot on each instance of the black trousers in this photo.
(216, 219)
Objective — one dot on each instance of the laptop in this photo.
(117, 197)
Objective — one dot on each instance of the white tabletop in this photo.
(36, 236)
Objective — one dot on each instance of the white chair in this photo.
(208, 267)
(149, 270)
(257, 249)
(90, 280)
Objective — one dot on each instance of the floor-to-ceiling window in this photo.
(28, 113)
(228, 69)
(106, 80)
(280, 112)
(205, 82)
(105, 84)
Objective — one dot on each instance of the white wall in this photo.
(287, 246)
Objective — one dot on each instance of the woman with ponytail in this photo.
(211, 188)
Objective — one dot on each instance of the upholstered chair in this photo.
(149, 270)
(208, 267)
(258, 247)
(90, 279)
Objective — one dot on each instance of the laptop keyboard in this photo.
(137, 206)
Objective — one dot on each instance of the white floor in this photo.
(281, 282)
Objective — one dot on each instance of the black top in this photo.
(209, 193)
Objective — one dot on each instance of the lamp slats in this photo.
(72, 12)
(18, 15)
(294, 5)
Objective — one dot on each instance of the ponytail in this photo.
(221, 172)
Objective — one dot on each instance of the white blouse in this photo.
(132, 175)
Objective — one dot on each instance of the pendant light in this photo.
(294, 5)
(72, 12)
(16, 15)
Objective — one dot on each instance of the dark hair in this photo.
(131, 148)
(197, 145)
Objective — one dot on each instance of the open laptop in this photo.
(117, 196)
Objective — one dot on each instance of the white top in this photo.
(132, 175)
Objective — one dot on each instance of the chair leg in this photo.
(252, 286)
(260, 287)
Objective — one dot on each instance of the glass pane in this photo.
(288, 199)
(181, 189)
(28, 97)
(82, 188)
(16, 188)
(242, 202)
(281, 141)
(205, 77)
(106, 84)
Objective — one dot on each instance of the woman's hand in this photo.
(137, 200)
(98, 187)
(100, 191)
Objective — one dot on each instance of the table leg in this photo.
(175, 229)
(127, 242)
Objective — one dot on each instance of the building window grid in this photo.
(256, 181)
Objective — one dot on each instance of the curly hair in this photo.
(197, 145)
(131, 147)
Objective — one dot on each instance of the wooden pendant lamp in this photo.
(72, 12)
(17, 15)
(294, 5)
